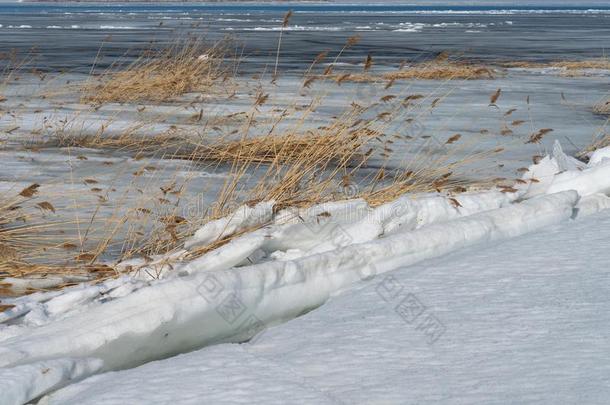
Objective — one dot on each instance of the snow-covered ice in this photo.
(515, 327)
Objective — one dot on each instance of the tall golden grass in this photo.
(435, 70)
(34, 244)
(156, 76)
(593, 63)
(569, 68)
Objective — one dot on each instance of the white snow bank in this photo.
(21, 384)
(538, 177)
(183, 314)
(599, 156)
(590, 181)
(592, 204)
(242, 218)
(43, 307)
(182, 382)
(293, 233)
(525, 321)
(566, 162)
(560, 172)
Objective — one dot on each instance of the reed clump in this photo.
(434, 70)
(602, 107)
(568, 67)
(597, 63)
(18, 236)
(264, 149)
(331, 145)
(443, 69)
(158, 76)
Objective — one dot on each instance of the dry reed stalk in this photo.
(267, 148)
(600, 141)
(282, 149)
(31, 244)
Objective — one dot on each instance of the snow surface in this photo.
(41, 377)
(517, 327)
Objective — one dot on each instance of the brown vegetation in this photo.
(602, 108)
(437, 70)
(161, 75)
(567, 67)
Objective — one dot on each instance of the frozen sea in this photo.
(484, 297)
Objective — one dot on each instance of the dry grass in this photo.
(569, 67)
(443, 71)
(9, 230)
(601, 141)
(265, 149)
(447, 71)
(18, 235)
(32, 242)
(602, 108)
(602, 138)
(437, 69)
(283, 149)
(600, 63)
(161, 75)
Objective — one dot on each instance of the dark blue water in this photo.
(272, 8)
(70, 36)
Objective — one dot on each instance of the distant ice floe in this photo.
(115, 27)
(416, 27)
(77, 27)
(487, 12)
(59, 27)
(234, 19)
(293, 28)
(400, 27)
